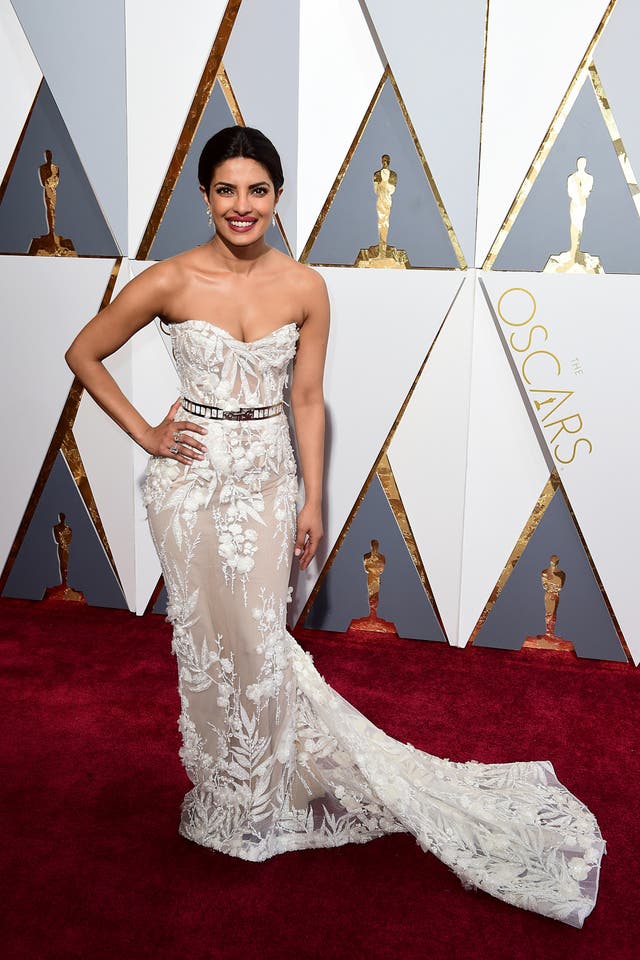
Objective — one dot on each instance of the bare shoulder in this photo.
(307, 285)
(160, 282)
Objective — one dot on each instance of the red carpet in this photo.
(93, 867)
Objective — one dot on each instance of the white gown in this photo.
(278, 759)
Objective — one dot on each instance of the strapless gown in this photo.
(279, 760)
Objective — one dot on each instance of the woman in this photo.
(278, 759)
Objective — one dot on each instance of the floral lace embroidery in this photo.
(278, 759)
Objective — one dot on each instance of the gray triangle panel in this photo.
(37, 567)
(343, 595)
(415, 224)
(611, 228)
(78, 216)
(582, 614)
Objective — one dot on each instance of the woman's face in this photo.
(242, 200)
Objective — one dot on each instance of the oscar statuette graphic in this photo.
(575, 260)
(381, 255)
(51, 244)
(63, 537)
(553, 580)
(373, 563)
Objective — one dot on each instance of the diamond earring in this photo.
(209, 216)
(274, 221)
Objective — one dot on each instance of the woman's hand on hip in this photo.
(169, 438)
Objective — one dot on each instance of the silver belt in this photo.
(243, 413)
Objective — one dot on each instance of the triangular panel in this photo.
(416, 224)
(20, 73)
(42, 318)
(169, 48)
(340, 68)
(572, 344)
(36, 567)
(506, 469)
(428, 455)
(24, 206)
(616, 58)
(433, 47)
(542, 227)
(581, 614)
(535, 52)
(375, 353)
(343, 595)
(80, 47)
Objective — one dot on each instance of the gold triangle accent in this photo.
(198, 105)
(386, 75)
(385, 475)
(64, 426)
(484, 76)
(548, 141)
(71, 453)
(614, 133)
(229, 95)
(381, 454)
(522, 542)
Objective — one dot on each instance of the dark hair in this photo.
(239, 142)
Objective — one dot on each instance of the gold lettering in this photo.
(535, 354)
(511, 323)
(576, 444)
(563, 422)
(552, 396)
(527, 346)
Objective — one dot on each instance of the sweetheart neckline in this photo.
(229, 336)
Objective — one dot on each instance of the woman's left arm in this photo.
(307, 402)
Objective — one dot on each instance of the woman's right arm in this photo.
(139, 301)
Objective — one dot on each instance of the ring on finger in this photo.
(174, 449)
(176, 435)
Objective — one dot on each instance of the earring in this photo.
(209, 216)
(274, 221)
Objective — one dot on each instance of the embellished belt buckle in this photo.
(244, 413)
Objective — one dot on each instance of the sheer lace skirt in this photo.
(279, 760)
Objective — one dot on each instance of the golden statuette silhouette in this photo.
(381, 254)
(63, 536)
(374, 564)
(51, 244)
(575, 260)
(553, 580)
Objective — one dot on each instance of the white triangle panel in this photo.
(261, 61)
(506, 469)
(383, 324)
(340, 69)
(80, 47)
(440, 47)
(167, 48)
(155, 388)
(616, 58)
(19, 73)
(46, 301)
(533, 51)
(428, 456)
(107, 455)
(590, 350)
